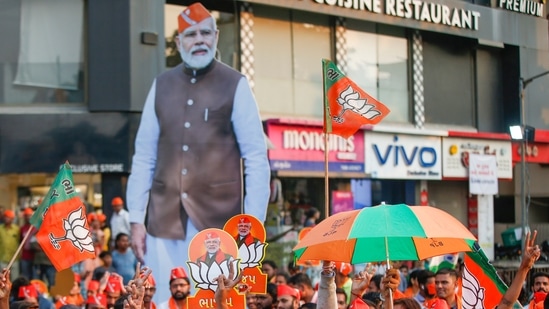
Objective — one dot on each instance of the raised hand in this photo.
(5, 284)
(135, 297)
(224, 286)
(327, 267)
(360, 282)
(5, 287)
(531, 251)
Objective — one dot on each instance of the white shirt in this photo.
(164, 305)
(120, 223)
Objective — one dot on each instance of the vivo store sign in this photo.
(400, 156)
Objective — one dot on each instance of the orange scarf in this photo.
(173, 305)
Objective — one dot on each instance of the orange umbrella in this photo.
(385, 233)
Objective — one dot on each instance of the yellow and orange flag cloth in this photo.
(346, 106)
(63, 231)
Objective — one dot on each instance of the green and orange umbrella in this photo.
(385, 233)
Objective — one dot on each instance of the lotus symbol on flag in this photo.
(75, 231)
(349, 99)
(472, 292)
(205, 276)
(251, 255)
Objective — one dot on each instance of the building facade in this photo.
(75, 75)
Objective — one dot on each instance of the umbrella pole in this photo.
(388, 305)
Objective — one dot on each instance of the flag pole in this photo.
(20, 247)
(327, 122)
(326, 178)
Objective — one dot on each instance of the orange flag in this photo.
(346, 106)
(63, 231)
(481, 286)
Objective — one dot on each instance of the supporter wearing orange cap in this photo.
(93, 288)
(342, 279)
(287, 297)
(98, 301)
(9, 241)
(179, 288)
(62, 301)
(98, 237)
(113, 290)
(150, 289)
(106, 231)
(181, 195)
(120, 219)
(27, 253)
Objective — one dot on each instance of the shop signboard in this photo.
(535, 152)
(401, 156)
(456, 153)
(301, 148)
(342, 201)
(483, 178)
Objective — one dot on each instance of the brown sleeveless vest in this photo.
(197, 172)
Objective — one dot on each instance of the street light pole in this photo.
(523, 207)
(523, 83)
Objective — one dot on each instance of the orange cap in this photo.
(27, 291)
(40, 286)
(9, 213)
(117, 201)
(64, 301)
(244, 220)
(98, 300)
(178, 273)
(92, 216)
(344, 268)
(211, 235)
(150, 282)
(284, 289)
(101, 217)
(93, 285)
(28, 211)
(113, 285)
(191, 16)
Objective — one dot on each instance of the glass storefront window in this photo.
(41, 59)
(226, 45)
(19, 191)
(288, 50)
(377, 60)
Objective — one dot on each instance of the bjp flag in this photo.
(63, 231)
(481, 286)
(346, 106)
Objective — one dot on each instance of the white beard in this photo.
(197, 61)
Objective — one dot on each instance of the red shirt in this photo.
(27, 253)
